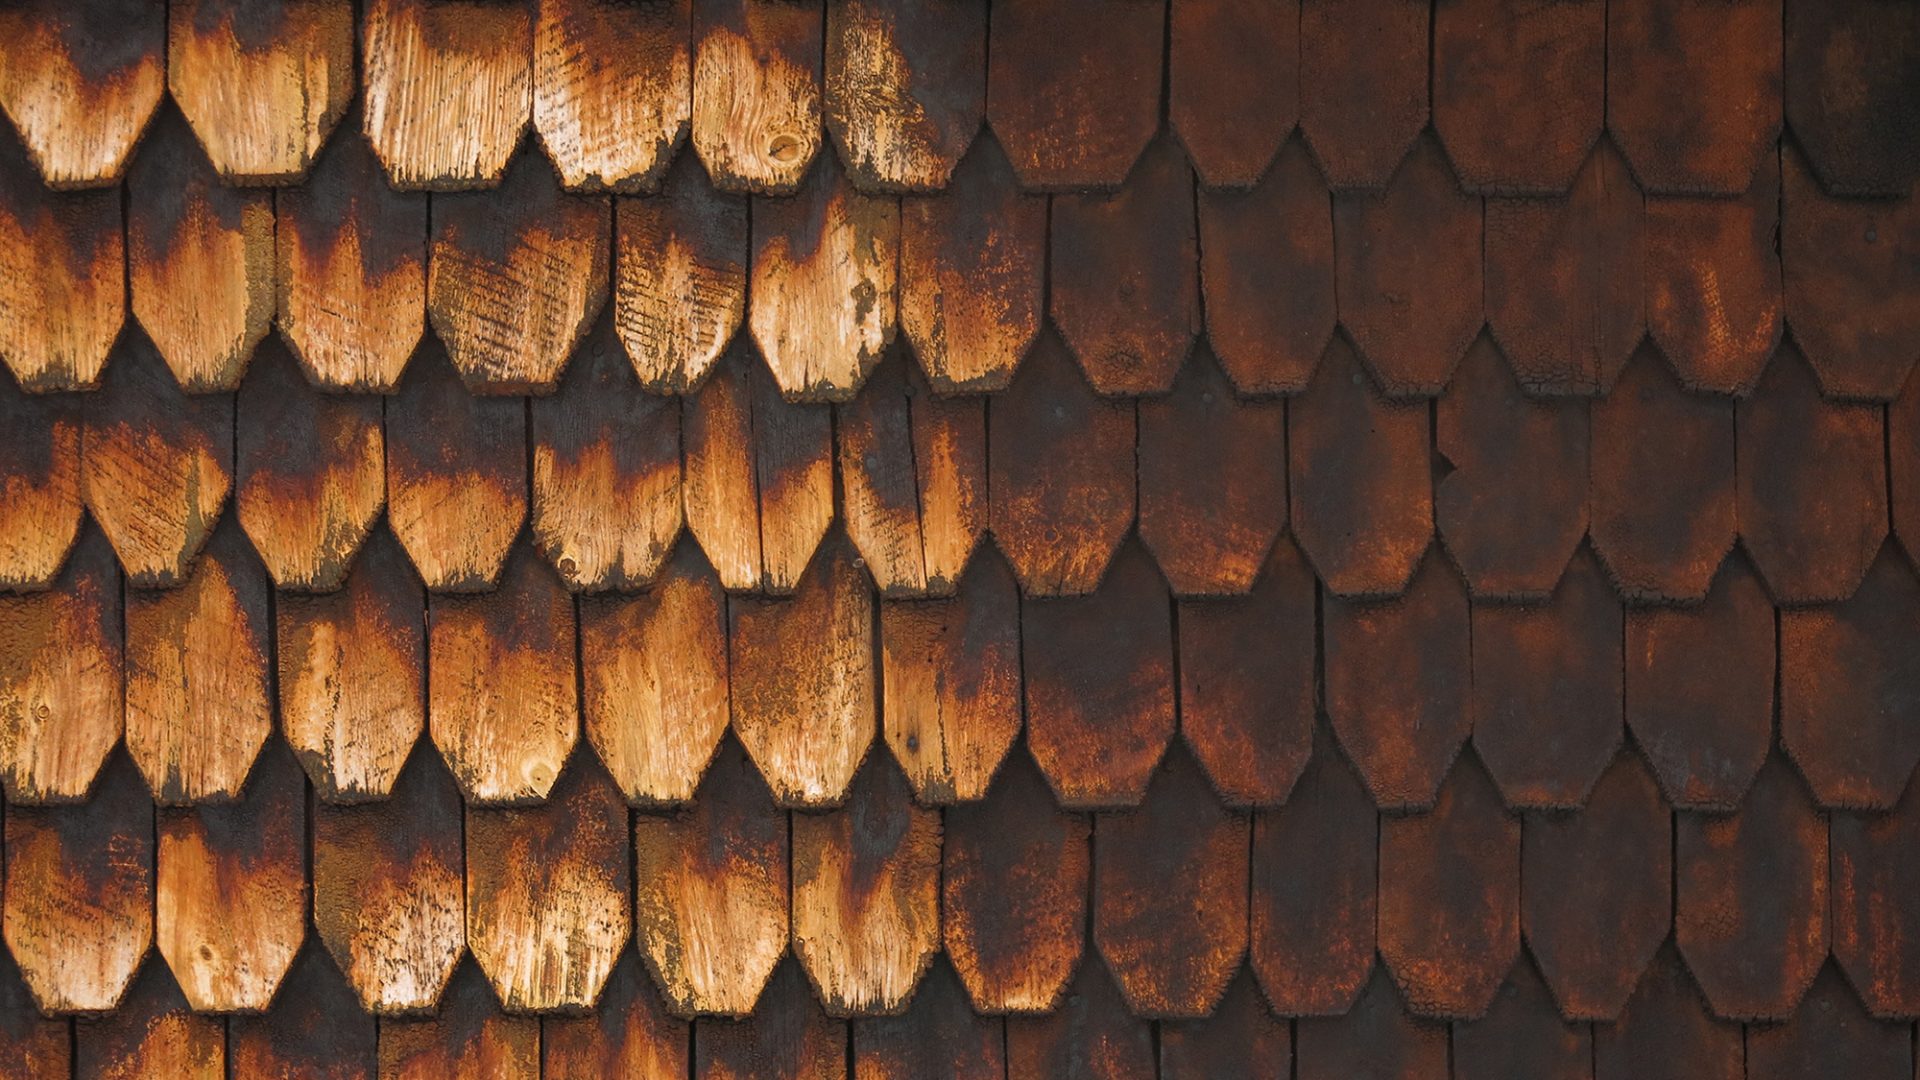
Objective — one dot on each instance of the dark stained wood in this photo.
(151, 1034)
(456, 475)
(950, 682)
(972, 273)
(1666, 1033)
(199, 690)
(1240, 1041)
(654, 666)
(1513, 504)
(787, 1038)
(351, 669)
(939, 1037)
(758, 483)
(262, 83)
(905, 88)
(1661, 530)
(1850, 93)
(1408, 267)
(1876, 882)
(1073, 88)
(516, 276)
(1247, 667)
(79, 896)
(547, 892)
(679, 278)
(1014, 893)
(1359, 471)
(309, 472)
(1593, 943)
(1830, 1035)
(1518, 91)
(1903, 461)
(350, 271)
(79, 83)
(1089, 1034)
(230, 900)
(1170, 895)
(36, 1045)
(612, 90)
(1124, 271)
(1100, 685)
(61, 673)
(1266, 273)
(1060, 482)
(502, 698)
(1713, 283)
(710, 917)
(1233, 84)
(449, 87)
(39, 486)
(1693, 90)
(1397, 675)
(1522, 1034)
(1363, 86)
(756, 92)
(388, 889)
(315, 1028)
(470, 1036)
(628, 1034)
(913, 480)
(62, 277)
(1750, 897)
(1547, 686)
(1377, 1038)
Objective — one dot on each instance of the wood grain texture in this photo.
(1713, 284)
(655, 670)
(803, 679)
(612, 90)
(1377, 1037)
(1233, 84)
(152, 1034)
(199, 685)
(230, 900)
(310, 473)
(1090, 1033)
(1363, 86)
(710, 896)
(1903, 461)
(679, 278)
(548, 905)
(905, 88)
(1518, 91)
(866, 895)
(825, 272)
(950, 682)
(1523, 1034)
(913, 480)
(787, 1038)
(62, 278)
(1666, 1032)
(199, 260)
(389, 889)
(471, 1037)
(36, 1045)
(939, 1037)
(61, 674)
(628, 1034)
(263, 82)
(39, 486)
(1830, 1031)
(756, 92)
(314, 1028)
(758, 483)
(1850, 90)
(448, 88)
(1241, 1038)
(1874, 884)
(79, 898)
(350, 260)
(502, 699)
(456, 475)
(80, 82)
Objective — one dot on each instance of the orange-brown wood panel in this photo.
(80, 81)
(787, 1038)
(1376, 1038)
(1240, 1041)
(1850, 89)
(1519, 90)
(1831, 1034)
(1523, 1034)
(39, 485)
(1233, 93)
(1666, 1032)
(1876, 921)
(62, 278)
(939, 1037)
(906, 87)
(1090, 1033)
(1714, 293)
(612, 90)
(470, 1037)
(628, 1034)
(756, 92)
(448, 88)
(679, 278)
(61, 672)
(1363, 86)
(152, 1033)
(36, 1045)
(315, 1028)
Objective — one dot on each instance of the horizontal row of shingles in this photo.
(1693, 91)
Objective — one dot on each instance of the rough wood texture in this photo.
(199, 260)
(502, 701)
(1363, 86)
(1875, 881)
(866, 895)
(79, 82)
(1090, 1034)
(825, 262)
(950, 683)
(939, 1037)
(1233, 93)
(1903, 460)
(79, 897)
(471, 1037)
(60, 679)
(1239, 1040)
(154, 465)
(1850, 92)
(449, 87)
(1713, 284)
(1666, 1033)
(388, 889)
(230, 902)
(456, 475)
(1377, 1037)
(627, 1034)
(315, 1028)
(906, 88)
(152, 1034)
(350, 256)
(310, 473)
(39, 486)
(199, 688)
(758, 485)
(1523, 1034)
(547, 899)
(972, 269)
(1013, 900)
(803, 679)
(655, 667)
(756, 92)
(787, 1038)
(62, 278)
(1830, 1033)
(710, 894)
(913, 476)
(612, 90)
(679, 278)
(263, 82)
(1518, 90)
(36, 1045)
